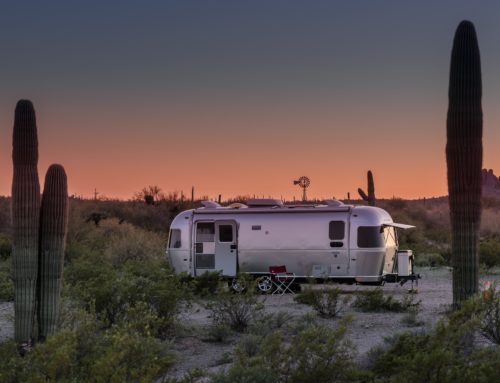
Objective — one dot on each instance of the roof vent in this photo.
(264, 202)
(334, 202)
(210, 204)
(237, 205)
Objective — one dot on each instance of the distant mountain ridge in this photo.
(491, 183)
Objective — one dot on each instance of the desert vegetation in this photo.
(123, 310)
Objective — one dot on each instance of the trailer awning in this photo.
(399, 225)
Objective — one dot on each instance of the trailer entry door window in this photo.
(205, 232)
(370, 236)
(175, 239)
(225, 233)
(337, 230)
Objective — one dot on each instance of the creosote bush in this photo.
(429, 260)
(6, 285)
(490, 315)
(489, 252)
(374, 300)
(316, 354)
(204, 285)
(117, 355)
(112, 291)
(326, 302)
(237, 311)
(83, 351)
(443, 354)
(5, 247)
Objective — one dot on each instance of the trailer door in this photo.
(226, 247)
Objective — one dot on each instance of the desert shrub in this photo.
(411, 319)
(270, 322)
(206, 284)
(436, 356)
(490, 315)
(95, 283)
(326, 302)
(12, 365)
(374, 300)
(5, 247)
(316, 354)
(489, 252)
(395, 204)
(234, 310)
(123, 355)
(86, 353)
(246, 374)
(218, 332)
(429, 260)
(127, 242)
(119, 242)
(249, 345)
(5, 222)
(6, 285)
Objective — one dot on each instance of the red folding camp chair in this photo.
(282, 280)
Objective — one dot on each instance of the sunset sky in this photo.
(242, 97)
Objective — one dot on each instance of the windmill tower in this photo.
(304, 183)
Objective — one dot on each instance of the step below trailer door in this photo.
(216, 247)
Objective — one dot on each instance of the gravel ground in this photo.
(365, 331)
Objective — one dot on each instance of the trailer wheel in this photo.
(264, 284)
(237, 285)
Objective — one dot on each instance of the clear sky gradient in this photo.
(242, 97)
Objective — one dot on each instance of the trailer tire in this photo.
(265, 284)
(237, 285)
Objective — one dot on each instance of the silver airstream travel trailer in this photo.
(327, 241)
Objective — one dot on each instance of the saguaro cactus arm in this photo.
(53, 229)
(370, 197)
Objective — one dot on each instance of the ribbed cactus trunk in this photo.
(53, 229)
(25, 219)
(370, 197)
(464, 154)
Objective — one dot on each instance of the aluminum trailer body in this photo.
(327, 241)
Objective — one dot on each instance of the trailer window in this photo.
(175, 239)
(205, 232)
(337, 230)
(225, 233)
(370, 236)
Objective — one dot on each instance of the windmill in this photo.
(304, 183)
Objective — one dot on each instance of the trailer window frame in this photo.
(202, 234)
(370, 237)
(334, 230)
(224, 232)
(175, 239)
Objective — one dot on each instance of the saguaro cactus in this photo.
(53, 229)
(25, 219)
(370, 198)
(464, 154)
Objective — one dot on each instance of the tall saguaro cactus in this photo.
(464, 155)
(370, 198)
(53, 229)
(25, 219)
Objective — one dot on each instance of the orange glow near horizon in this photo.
(261, 157)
